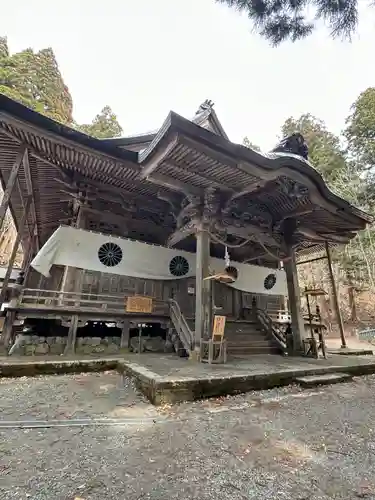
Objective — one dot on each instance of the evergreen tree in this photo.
(345, 177)
(34, 79)
(360, 129)
(246, 142)
(279, 20)
(104, 125)
(325, 151)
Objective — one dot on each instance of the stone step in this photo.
(325, 379)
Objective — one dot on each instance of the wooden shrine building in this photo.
(184, 187)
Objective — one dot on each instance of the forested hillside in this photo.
(34, 79)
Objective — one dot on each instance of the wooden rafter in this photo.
(159, 157)
(115, 196)
(210, 152)
(128, 222)
(175, 185)
(184, 169)
(111, 190)
(58, 139)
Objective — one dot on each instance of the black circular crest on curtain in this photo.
(110, 254)
(270, 281)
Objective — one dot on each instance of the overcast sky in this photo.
(147, 57)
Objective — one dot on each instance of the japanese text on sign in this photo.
(139, 304)
(219, 326)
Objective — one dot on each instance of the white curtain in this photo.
(78, 248)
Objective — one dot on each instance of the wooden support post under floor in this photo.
(72, 335)
(294, 297)
(335, 297)
(203, 309)
(125, 334)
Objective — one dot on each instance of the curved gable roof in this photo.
(242, 158)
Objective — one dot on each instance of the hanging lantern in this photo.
(230, 273)
(224, 277)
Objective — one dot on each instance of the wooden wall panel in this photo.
(229, 300)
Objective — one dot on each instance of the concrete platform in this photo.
(165, 378)
(28, 366)
(325, 379)
(346, 351)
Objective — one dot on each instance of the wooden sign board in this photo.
(219, 326)
(139, 304)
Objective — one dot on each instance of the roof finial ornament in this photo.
(294, 144)
(205, 106)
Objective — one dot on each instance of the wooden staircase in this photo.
(244, 337)
(184, 339)
(248, 337)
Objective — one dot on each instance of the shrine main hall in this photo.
(160, 236)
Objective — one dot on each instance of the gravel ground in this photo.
(278, 444)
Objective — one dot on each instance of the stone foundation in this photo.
(34, 345)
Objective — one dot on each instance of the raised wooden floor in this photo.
(51, 304)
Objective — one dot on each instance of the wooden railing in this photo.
(275, 333)
(82, 302)
(181, 326)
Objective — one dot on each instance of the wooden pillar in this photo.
(237, 306)
(28, 252)
(73, 274)
(21, 227)
(28, 256)
(202, 289)
(72, 335)
(27, 269)
(76, 276)
(294, 297)
(125, 334)
(7, 333)
(11, 183)
(335, 297)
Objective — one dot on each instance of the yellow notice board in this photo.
(139, 304)
(219, 326)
